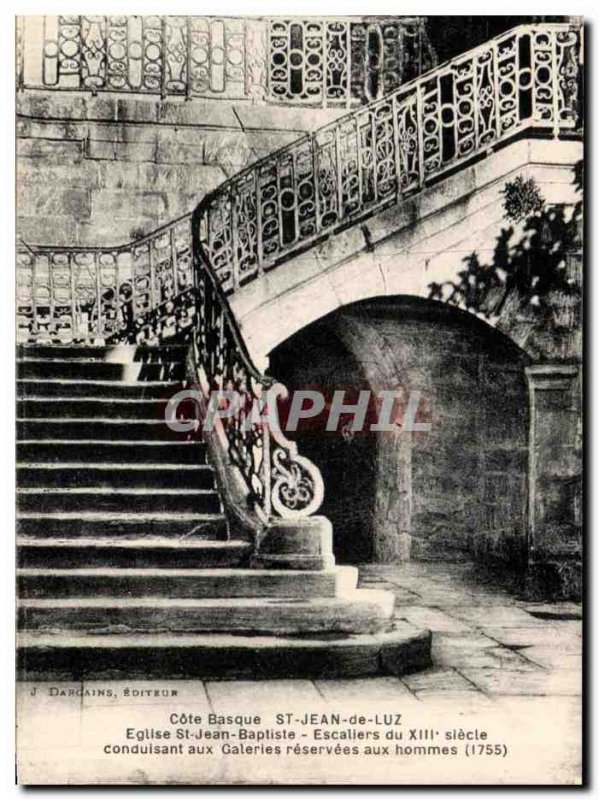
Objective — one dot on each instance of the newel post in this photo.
(296, 537)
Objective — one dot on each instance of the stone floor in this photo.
(488, 643)
(500, 663)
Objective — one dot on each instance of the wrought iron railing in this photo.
(526, 79)
(320, 61)
(89, 294)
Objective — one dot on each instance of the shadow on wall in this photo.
(456, 491)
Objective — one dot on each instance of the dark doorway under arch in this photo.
(457, 491)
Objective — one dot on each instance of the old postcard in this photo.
(299, 414)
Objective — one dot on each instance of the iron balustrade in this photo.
(315, 61)
(278, 480)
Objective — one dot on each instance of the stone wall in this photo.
(454, 492)
(105, 170)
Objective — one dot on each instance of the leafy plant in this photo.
(522, 198)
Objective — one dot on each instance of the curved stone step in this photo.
(131, 476)
(356, 611)
(89, 408)
(150, 430)
(76, 655)
(113, 353)
(164, 582)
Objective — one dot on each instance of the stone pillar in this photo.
(554, 568)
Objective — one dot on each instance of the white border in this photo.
(7, 233)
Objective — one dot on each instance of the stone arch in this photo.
(458, 491)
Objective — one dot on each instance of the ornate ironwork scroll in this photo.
(343, 62)
(370, 158)
(378, 154)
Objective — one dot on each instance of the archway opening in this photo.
(457, 490)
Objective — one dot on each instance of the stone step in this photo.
(145, 550)
(99, 370)
(114, 353)
(161, 582)
(83, 408)
(93, 451)
(176, 501)
(357, 611)
(100, 429)
(113, 390)
(107, 524)
(131, 476)
(77, 655)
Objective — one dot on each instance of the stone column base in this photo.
(301, 544)
(554, 580)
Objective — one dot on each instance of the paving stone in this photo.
(228, 697)
(438, 680)
(525, 682)
(447, 598)
(553, 658)
(487, 656)
(566, 710)
(146, 694)
(555, 611)
(468, 641)
(549, 636)
(433, 619)
(457, 704)
(402, 596)
(364, 691)
(44, 700)
(495, 616)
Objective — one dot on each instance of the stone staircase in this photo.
(126, 566)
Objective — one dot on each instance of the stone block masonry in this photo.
(106, 170)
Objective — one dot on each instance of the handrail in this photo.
(525, 79)
(340, 174)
